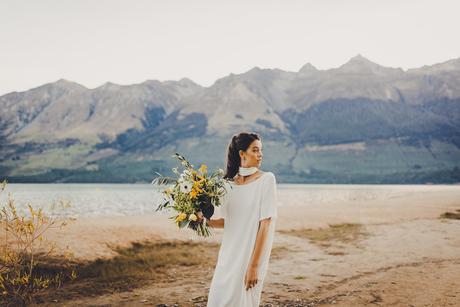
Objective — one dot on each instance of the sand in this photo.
(408, 257)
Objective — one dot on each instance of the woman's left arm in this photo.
(251, 277)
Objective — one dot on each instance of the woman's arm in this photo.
(216, 223)
(251, 277)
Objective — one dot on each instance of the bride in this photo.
(248, 214)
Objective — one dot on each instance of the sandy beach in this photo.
(391, 250)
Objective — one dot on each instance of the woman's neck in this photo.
(247, 171)
(244, 179)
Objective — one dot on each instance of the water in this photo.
(95, 200)
(86, 200)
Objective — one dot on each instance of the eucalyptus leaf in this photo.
(184, 223)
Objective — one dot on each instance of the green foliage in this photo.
(194, 193)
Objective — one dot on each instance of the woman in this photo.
(248, 212)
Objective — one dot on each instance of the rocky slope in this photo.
(401, 121)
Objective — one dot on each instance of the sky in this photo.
(95, 41)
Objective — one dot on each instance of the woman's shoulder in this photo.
(272, 177)
(268, 177)
(268, 174)
(265, 174)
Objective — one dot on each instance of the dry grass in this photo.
(343, 233)
(147, 258)
(336, 253)
(278, 252)
(451, 215)
(135, 266)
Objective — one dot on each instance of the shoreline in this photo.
(279, 183)
(353, 250)
(297, 209)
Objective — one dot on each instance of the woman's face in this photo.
(253, 155)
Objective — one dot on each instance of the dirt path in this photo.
(410, 263)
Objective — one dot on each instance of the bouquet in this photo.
(192, 195)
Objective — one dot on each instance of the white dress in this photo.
(242, 208)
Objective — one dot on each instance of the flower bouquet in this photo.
(192, 195)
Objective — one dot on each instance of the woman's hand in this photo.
(250, 279)
(199, 215)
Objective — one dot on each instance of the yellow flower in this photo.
(192, 217)
(193, 193)
(203, 168)
(181, 217)
(196, 186)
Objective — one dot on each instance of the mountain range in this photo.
(358, 123)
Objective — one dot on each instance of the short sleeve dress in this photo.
(242, 208)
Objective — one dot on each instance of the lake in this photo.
(95, 200)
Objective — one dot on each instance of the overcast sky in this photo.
(92, 42)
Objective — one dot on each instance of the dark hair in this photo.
(239, 142)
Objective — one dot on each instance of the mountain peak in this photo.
(360, 60)
(188, 82)
(308, 68)
(184, 82)
(361, 65)
(450, 65)
(64, 83)
(359, 57)
(252, 71)
(109, 86)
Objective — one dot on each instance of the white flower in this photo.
(184, 175)
(185, 187)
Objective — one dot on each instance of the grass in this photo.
(336, 253)
(278, 252)
(145, 258)
(135, 266)
(68, 157)
(451, 215)
(343, 233)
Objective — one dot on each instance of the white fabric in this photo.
(246, 171)
(242, 208)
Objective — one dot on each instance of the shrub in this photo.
(23, 250)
